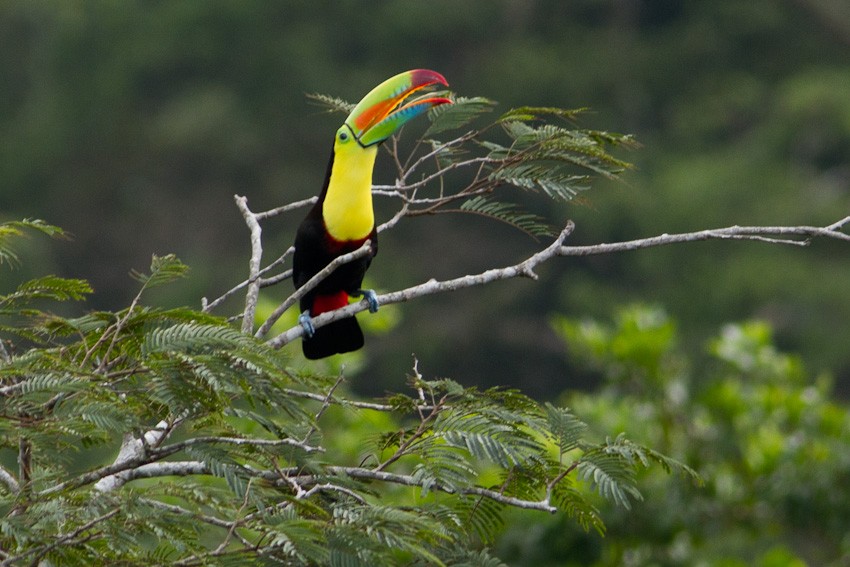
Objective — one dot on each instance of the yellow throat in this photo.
(347, 209)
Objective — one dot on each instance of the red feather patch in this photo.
(325, 303)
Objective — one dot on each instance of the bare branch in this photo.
(207, 306)
(524, 268)
(301, 479)
(839, 224)
(182, 445)
(286, 208)
(132, 452)
(406, 480)
(779, 234)
(9, 480)
(348, 403)
(792, 235)
(253, 264)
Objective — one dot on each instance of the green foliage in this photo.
(14, 229)
(225, 456)
(331, 103)
(767, 438)
(509, 213)
(164, 269)
(455, 116)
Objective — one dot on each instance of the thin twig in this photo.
(407, 480)
(437, 174)
(207, 306)
(326, 402)
(60, 539)
(286, 208)
(347, 403)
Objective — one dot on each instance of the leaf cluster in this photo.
(224, 456)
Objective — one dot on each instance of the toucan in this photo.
(342, 219)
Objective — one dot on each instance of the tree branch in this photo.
(134, 461)
(254, 263)
(790, 235)
(182, 445)
(286, 208)
(132, 452)
(406, 480)
(524, 268)
(9, 480)
(780, 234)
(186, 468)
(349, 403)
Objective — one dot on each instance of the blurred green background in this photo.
(132, 124)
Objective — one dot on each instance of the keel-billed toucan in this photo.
(343, 219)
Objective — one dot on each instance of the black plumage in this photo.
(315, 248)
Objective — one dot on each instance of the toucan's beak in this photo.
(382, 112)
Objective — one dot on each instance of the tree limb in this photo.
(791, 235)
(182, 445)
(186, 468)
(254, 263)
(9, 480)
(406, 480)
(771, 234)
(524, 268)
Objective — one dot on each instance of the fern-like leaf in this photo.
(529, 113)
(612, 475)
(331, 104)
(164, 269)
(566, 429)
(14, 229)
(50, 287)
(191, 337)
(577, 506)
(551, 178)
(636, 454)
(447, 117)
(509, 213)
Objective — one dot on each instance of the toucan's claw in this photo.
(371, 298)
(306, 323)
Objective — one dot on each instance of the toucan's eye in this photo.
(343, 136)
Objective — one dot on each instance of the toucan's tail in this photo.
(340, 336)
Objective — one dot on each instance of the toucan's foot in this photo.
(371, 298)
(307, 323)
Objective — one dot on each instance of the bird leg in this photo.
(307, 323)
(371, 298)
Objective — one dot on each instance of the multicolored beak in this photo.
(382, 112)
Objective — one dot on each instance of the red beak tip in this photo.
(425, 77)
